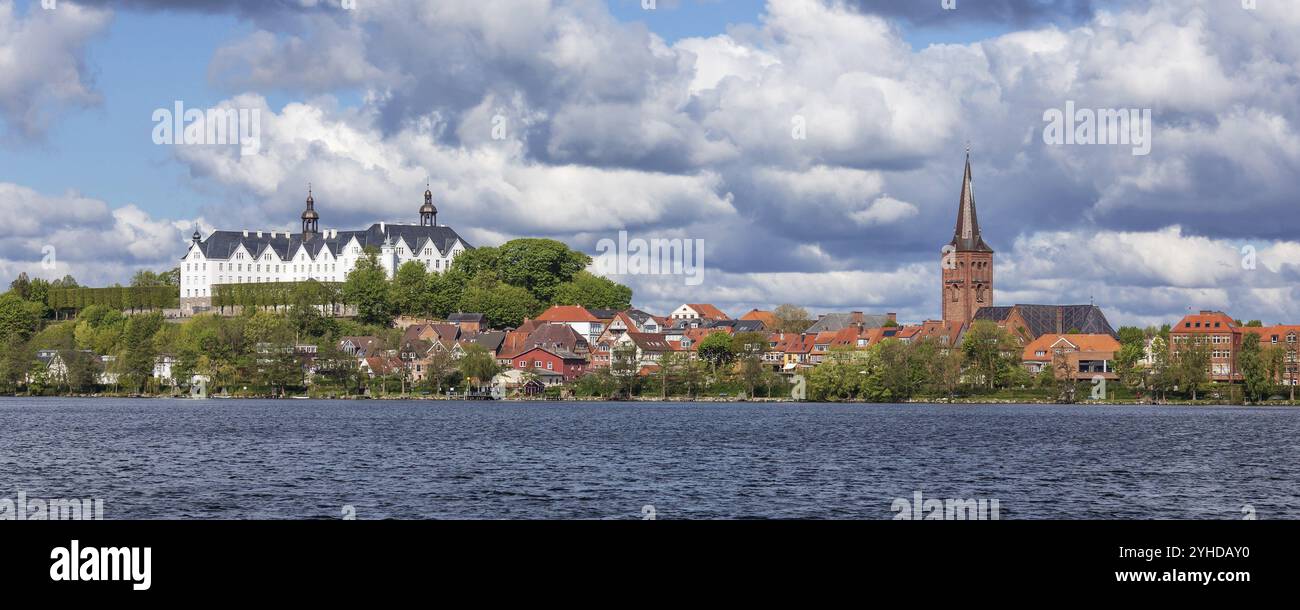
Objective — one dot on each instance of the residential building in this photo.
(834, 322)
(696, 311)
(1083, 357)
(1218, 332)
(576, 317)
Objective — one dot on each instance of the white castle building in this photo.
(242, 257)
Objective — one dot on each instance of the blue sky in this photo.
(147, 59)
(684, 134)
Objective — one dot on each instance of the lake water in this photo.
(245, 459)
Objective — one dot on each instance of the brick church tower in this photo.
(967, 262)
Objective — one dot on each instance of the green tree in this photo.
(445, 291)
(83, 369)
(537, 265)
(1132, 335)
(436, 368)
(943, 366)
(990, 352)
(717, 349)
(139, 356)
(1128, 366)
(410, 290)
(479, 365)
(842, 375)
(749, 349)
(503, 304)
(19, 318)
(1192, 365)
(15, 363)
(791, 318)
(1254, 368)
(592, 291)
(366, 287)
(902, 370)
(599, 383)
(625, 369)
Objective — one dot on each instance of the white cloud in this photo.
(83, 236)
(42, 64)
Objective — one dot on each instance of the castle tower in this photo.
(309, 218)
(967, 262)
(428, 213)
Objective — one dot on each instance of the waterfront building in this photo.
(254, 256)
(1218, 332)
(1074, 356)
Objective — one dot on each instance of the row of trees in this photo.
(278, 296)
(119, 297)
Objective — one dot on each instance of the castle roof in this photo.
(285, 245)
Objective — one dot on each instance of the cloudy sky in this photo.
(575, 119)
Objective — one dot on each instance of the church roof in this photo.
(222, 244)
(966, 236)
(1042, 319)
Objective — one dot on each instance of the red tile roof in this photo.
(708, 311)
(1205, 322)
(567, 313)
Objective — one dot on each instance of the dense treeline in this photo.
(517, 280)
(133, 298)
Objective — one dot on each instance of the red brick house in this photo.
(551, 361)
(1216, 330)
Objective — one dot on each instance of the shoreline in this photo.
(706, 399)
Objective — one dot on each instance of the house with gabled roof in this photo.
(698, 311)
(576, 317)
(1083, 356)
(837, 321)
(767, 318)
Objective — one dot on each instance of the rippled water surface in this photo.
(237, 459)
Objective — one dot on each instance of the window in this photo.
(537, 364)
(550, 366)
(428, 251)
(523, 364)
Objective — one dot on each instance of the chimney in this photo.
(893, 317)
(1060, 315)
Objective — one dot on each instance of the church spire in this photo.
(966, 236)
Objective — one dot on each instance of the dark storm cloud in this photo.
(1009, 12)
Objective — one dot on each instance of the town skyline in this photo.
(655, 130)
